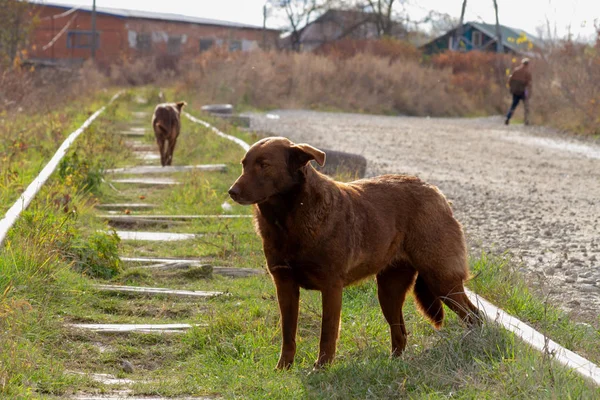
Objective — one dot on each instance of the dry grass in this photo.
(29, 90)
(567, 91)
(361, 82)
(387, 77)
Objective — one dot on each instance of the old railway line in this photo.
(137, 215)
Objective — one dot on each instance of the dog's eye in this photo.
(263, 165)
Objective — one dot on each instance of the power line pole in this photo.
(264, 30)
(499, 46)
(94, 30)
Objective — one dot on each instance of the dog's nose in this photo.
(234, 192)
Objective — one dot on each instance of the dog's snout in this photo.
(234, 192)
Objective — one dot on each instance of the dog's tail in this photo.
(180, 105)
(429, 304)
(161, 127)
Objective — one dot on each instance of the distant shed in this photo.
(64, 35)
(482, 37)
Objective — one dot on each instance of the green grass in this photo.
(27, 142)
(233, 351)
(498, 280)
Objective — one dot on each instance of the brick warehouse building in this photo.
(63, 35)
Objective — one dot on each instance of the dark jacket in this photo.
(520, 80)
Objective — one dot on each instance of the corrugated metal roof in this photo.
(508, 32)
(124, 13)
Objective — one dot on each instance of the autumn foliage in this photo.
(385, 76)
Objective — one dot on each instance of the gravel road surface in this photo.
(526, 190)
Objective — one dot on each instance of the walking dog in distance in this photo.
(166, 123)
(319, 234)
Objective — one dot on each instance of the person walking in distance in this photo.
(519, 83)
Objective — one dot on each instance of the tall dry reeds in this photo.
(361, 82)
(39, 90)
(568, 88)
(387, 77)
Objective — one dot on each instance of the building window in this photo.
(451, 42)
(206, 44)
(477, 39)
(143, 42)
(81, 40)
(174, 45)
(235, 45)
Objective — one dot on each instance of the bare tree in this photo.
(383, 15)
(440, 23)
(298, 14)
(17, 21)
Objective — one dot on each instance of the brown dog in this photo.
(323, 235)
(166, 123)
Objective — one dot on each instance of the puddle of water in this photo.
(555, 144)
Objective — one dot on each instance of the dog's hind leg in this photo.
(392, 284)
(457, 300)
(170, 150)
(161, 150)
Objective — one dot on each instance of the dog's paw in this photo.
(284, 364)
(286, 358)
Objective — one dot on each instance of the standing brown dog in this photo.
(166, 123)
(324, 235)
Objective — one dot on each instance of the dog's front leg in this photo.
(330, 324)
(288, 296)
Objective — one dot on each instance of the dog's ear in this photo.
(180, 105)
(303, 153)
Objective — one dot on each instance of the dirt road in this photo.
(526, 190)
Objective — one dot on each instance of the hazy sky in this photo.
(524, 14)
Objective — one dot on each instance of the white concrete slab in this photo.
(140, 328)
(147, 155)
(156, 236)
(167, 260)
(169, 265)
(106, 379)
(125, 395)
(157, 169)
(140, 114)
(162, 260)
(168, 217)
(151, 290)
(132, 133)
(129, 206)
(148, 181)
(138, 145)
(234, 272)
(536, 339)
